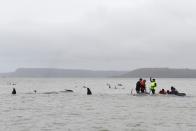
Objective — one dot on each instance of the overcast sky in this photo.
(97, 34)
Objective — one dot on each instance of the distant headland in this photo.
(161, 73)
(54, 72)
(141, 72)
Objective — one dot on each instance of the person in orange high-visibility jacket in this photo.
(143, 86)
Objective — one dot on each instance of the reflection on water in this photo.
(106, 110)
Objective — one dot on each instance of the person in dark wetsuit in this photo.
(162, 91)
(14, 91)
(173, 90)
(138, 86)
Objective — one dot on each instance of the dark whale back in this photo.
(14, 91)
(181, 94)
(89, 91)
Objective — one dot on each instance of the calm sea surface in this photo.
(106, 110)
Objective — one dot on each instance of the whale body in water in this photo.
(14, 91)
(89, 91)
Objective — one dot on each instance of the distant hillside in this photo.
(161, 73)
(52, 72)
(143, 72)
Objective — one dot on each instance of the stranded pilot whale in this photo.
(89, 91)
(14, 91)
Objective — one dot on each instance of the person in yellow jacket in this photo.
(153, 85)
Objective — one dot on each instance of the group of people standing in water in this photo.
(141, 86)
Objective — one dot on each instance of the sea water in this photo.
(107, 109)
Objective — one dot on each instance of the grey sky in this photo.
(97, 34)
